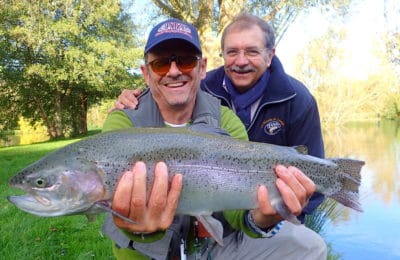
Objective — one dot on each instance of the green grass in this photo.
(25, 236)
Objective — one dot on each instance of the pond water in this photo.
(374, 233)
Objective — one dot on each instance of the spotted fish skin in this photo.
(219, 173)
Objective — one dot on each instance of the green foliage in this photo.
(31, 134)
(392, 37)
(8, 111)
(393, 109)
(24, 236)
(61, 57)
(343, 98)
(392, 42)
(98, 113)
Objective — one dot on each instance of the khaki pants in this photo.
(292, 242)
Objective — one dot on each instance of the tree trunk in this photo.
(83, 113)
(54, 126)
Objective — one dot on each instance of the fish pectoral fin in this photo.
(284, 211)
(213, 226)
(106, 207)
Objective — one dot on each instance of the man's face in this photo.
(245, 56)
(176, 86)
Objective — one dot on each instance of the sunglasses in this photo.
(184, 63)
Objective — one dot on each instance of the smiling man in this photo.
(274, 107)
(174, 69)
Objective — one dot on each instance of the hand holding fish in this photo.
(157, 212)
(295, 188)
(153, 210)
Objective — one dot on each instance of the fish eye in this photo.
(40, 182)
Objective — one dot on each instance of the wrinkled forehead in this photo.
(248, 34)
(251, 37)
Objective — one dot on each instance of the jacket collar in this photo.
(206, 110)
(279, 88)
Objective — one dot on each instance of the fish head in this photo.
(57, 187)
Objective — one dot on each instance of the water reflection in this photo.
(373, 233)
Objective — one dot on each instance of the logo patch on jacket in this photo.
(273, 126)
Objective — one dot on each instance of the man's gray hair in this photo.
(245, 21)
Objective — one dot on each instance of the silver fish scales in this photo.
(219, 173)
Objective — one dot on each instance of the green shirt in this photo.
(230, 123)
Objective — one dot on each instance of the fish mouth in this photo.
(30, 197)
(32, 204)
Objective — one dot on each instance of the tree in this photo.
(8, 112)
(341, 99)
(392, 40)
(60, 57)
(391, 14)
(211, 17)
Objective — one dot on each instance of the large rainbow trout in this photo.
(219, 173)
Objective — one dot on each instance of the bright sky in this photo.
(364, 27)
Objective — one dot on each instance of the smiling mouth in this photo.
(242, 70)
(175, 85)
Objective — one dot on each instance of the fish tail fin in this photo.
(351, 172)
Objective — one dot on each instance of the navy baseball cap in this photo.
(173, 29)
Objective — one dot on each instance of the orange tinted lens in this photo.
(161, 66)
(184, 63)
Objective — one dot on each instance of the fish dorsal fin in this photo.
(301, 149)
(214, 227)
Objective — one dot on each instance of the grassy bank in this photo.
(24, 236)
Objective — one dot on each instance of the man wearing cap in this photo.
(173, 70)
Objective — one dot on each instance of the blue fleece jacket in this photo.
(286, 115)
